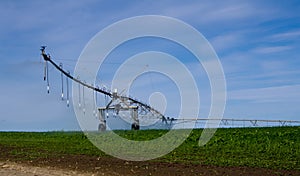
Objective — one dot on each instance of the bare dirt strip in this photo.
(17, 169)
(88, 166)
(83, 165)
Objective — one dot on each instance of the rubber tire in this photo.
(135, 126)
(101, 127)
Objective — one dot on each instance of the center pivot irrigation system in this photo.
(136, 110)
(117, 102)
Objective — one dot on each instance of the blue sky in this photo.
(258, 43)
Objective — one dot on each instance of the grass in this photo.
(273, 147)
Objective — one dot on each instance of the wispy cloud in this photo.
(271, 49)
(288, 93)
(229, 11)
(286, 35)
(226, 41)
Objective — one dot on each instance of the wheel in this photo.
(101, 127)
(135, 126)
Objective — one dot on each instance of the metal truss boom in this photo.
(47, 58)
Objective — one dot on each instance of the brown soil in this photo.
(89, 165)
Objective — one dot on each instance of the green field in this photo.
(273, 147)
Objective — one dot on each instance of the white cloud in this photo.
(227, 41)
(229, 12)
(288, 93)
(286, 35)
(271, 49)
(205, 12)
